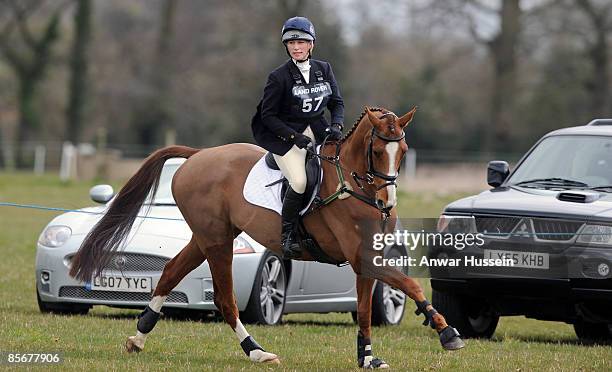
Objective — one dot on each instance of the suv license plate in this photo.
(121, 284)
(528, 260)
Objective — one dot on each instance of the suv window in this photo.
(586, 159)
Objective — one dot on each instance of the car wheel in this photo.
(65, 308)
(472, 318)
(388, 303)
(267, 302)
(593, 331)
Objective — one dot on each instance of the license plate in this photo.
(121, 284)
(528, 260)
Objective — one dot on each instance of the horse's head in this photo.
(385, 148)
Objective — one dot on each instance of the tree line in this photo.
(486, 75)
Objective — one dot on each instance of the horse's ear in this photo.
(404, 120)
(376, 122)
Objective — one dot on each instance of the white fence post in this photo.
(40, 153)
(68, 163)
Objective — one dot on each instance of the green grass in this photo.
(304, 341)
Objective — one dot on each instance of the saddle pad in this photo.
(256, 192)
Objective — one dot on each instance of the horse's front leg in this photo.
(449, 337)
(365, 359)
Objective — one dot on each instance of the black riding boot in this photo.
(290, 214)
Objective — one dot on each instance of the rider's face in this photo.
(298, 49)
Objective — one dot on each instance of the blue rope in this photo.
(40, 207)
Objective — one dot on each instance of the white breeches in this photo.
(293, 166)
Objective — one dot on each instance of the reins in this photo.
(368, 178)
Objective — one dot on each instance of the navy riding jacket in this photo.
(289, 105)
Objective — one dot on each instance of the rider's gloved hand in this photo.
(335, 132)
(302, 141)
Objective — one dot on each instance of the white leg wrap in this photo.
(367, 360)
(260, 356)
(157, 302)
(241, 332)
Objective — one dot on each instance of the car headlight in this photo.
(456, 224)
(241, 246)
(596, 234)
(55, 236)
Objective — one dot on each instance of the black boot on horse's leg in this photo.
(449, 336)
(364, 354)
(290, 214)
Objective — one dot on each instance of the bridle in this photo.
(371, 173)
(369, 176)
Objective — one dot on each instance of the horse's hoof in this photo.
(450, 340)
(375, 363)
(273, 361)
(131, 347)
(260, 356)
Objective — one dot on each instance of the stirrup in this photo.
(293, 251)
(422, 309)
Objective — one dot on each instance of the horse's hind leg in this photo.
(175, 270)
(220, 261)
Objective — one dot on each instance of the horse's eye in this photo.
(377, 153)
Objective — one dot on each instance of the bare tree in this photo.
(599, 17)
(78, 68)
(502, 46)
(291, 8)
(29, 56)
(154, 117)
(507, 17)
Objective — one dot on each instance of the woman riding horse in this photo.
(213, 206)
(290, 116)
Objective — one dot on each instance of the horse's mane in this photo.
(363, 113)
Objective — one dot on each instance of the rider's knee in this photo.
(299, 184)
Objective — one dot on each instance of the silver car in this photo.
(265, 285)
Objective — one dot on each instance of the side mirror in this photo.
(497, 172)
(101, 193)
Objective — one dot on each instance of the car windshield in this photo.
(567, 162)
(164, 192)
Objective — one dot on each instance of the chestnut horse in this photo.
(208, 191)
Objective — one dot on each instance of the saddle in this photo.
(313, 178)
(313, 182)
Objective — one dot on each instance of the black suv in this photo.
(552, 218)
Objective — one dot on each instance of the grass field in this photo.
(303, 342)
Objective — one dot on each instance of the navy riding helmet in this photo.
(303, 27)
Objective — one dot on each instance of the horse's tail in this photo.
(109, 233)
